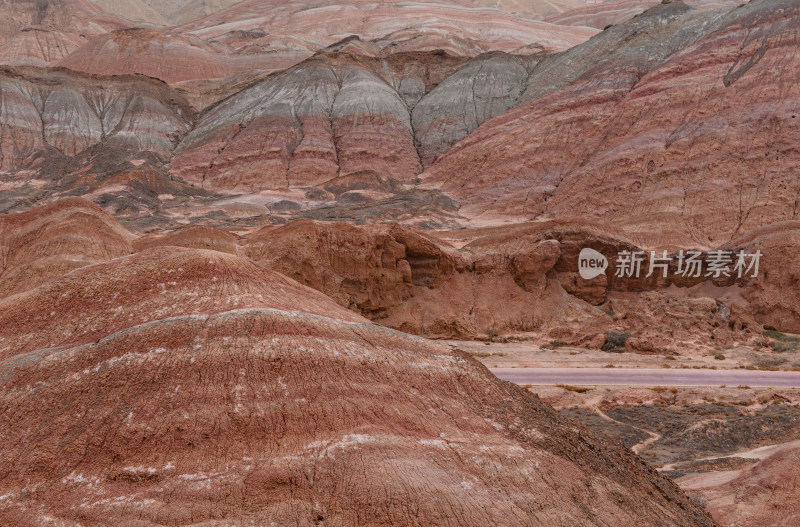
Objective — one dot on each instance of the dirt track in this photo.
(648, 377)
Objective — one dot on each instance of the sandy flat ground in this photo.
(533, 355)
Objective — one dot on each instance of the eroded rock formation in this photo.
(195, 386)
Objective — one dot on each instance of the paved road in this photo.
(649, 377)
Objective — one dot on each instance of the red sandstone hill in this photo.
(171, 58)
(49, 241)
(331, 21)
(39, 32)
(512, 279)
(186, 385)
(602, 14)
(627, 142)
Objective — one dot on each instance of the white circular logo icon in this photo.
(591, 264)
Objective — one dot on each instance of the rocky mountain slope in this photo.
(55, 114)
(331, 115)
(764, 494)
(38, 32)
(414, 26)
(697, 170)
(171, 58)
(195, 386)
(612, 12)
(352, 108)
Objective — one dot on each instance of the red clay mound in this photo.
(92, 302)
(192, 237)
(185, 386)
(52, 240)
(262, 417)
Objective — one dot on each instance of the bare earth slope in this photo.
(194, 387)
(632, 145)
(610, 12)
(137, 11)
(47, 242)
(762, 495)
(38, 32)
(60, 113)
(486, 29)
(330, 115)
(171, 58)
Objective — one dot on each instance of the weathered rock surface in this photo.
(181, 11)
(486, 87)
(50, 241)
(774, 298)
(410, 281)
(156, 284)
(202, 373)
(137, 11)
(38, 32)
(603, 14)
(673, 166)
(38, 47)
(160, 12)
(329, 116)
(55, 111)
(191, 237)
(478, 29)
(761, 495)
(339, 114)
(171, 58)
(75, 15)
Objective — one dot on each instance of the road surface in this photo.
(649, 377)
